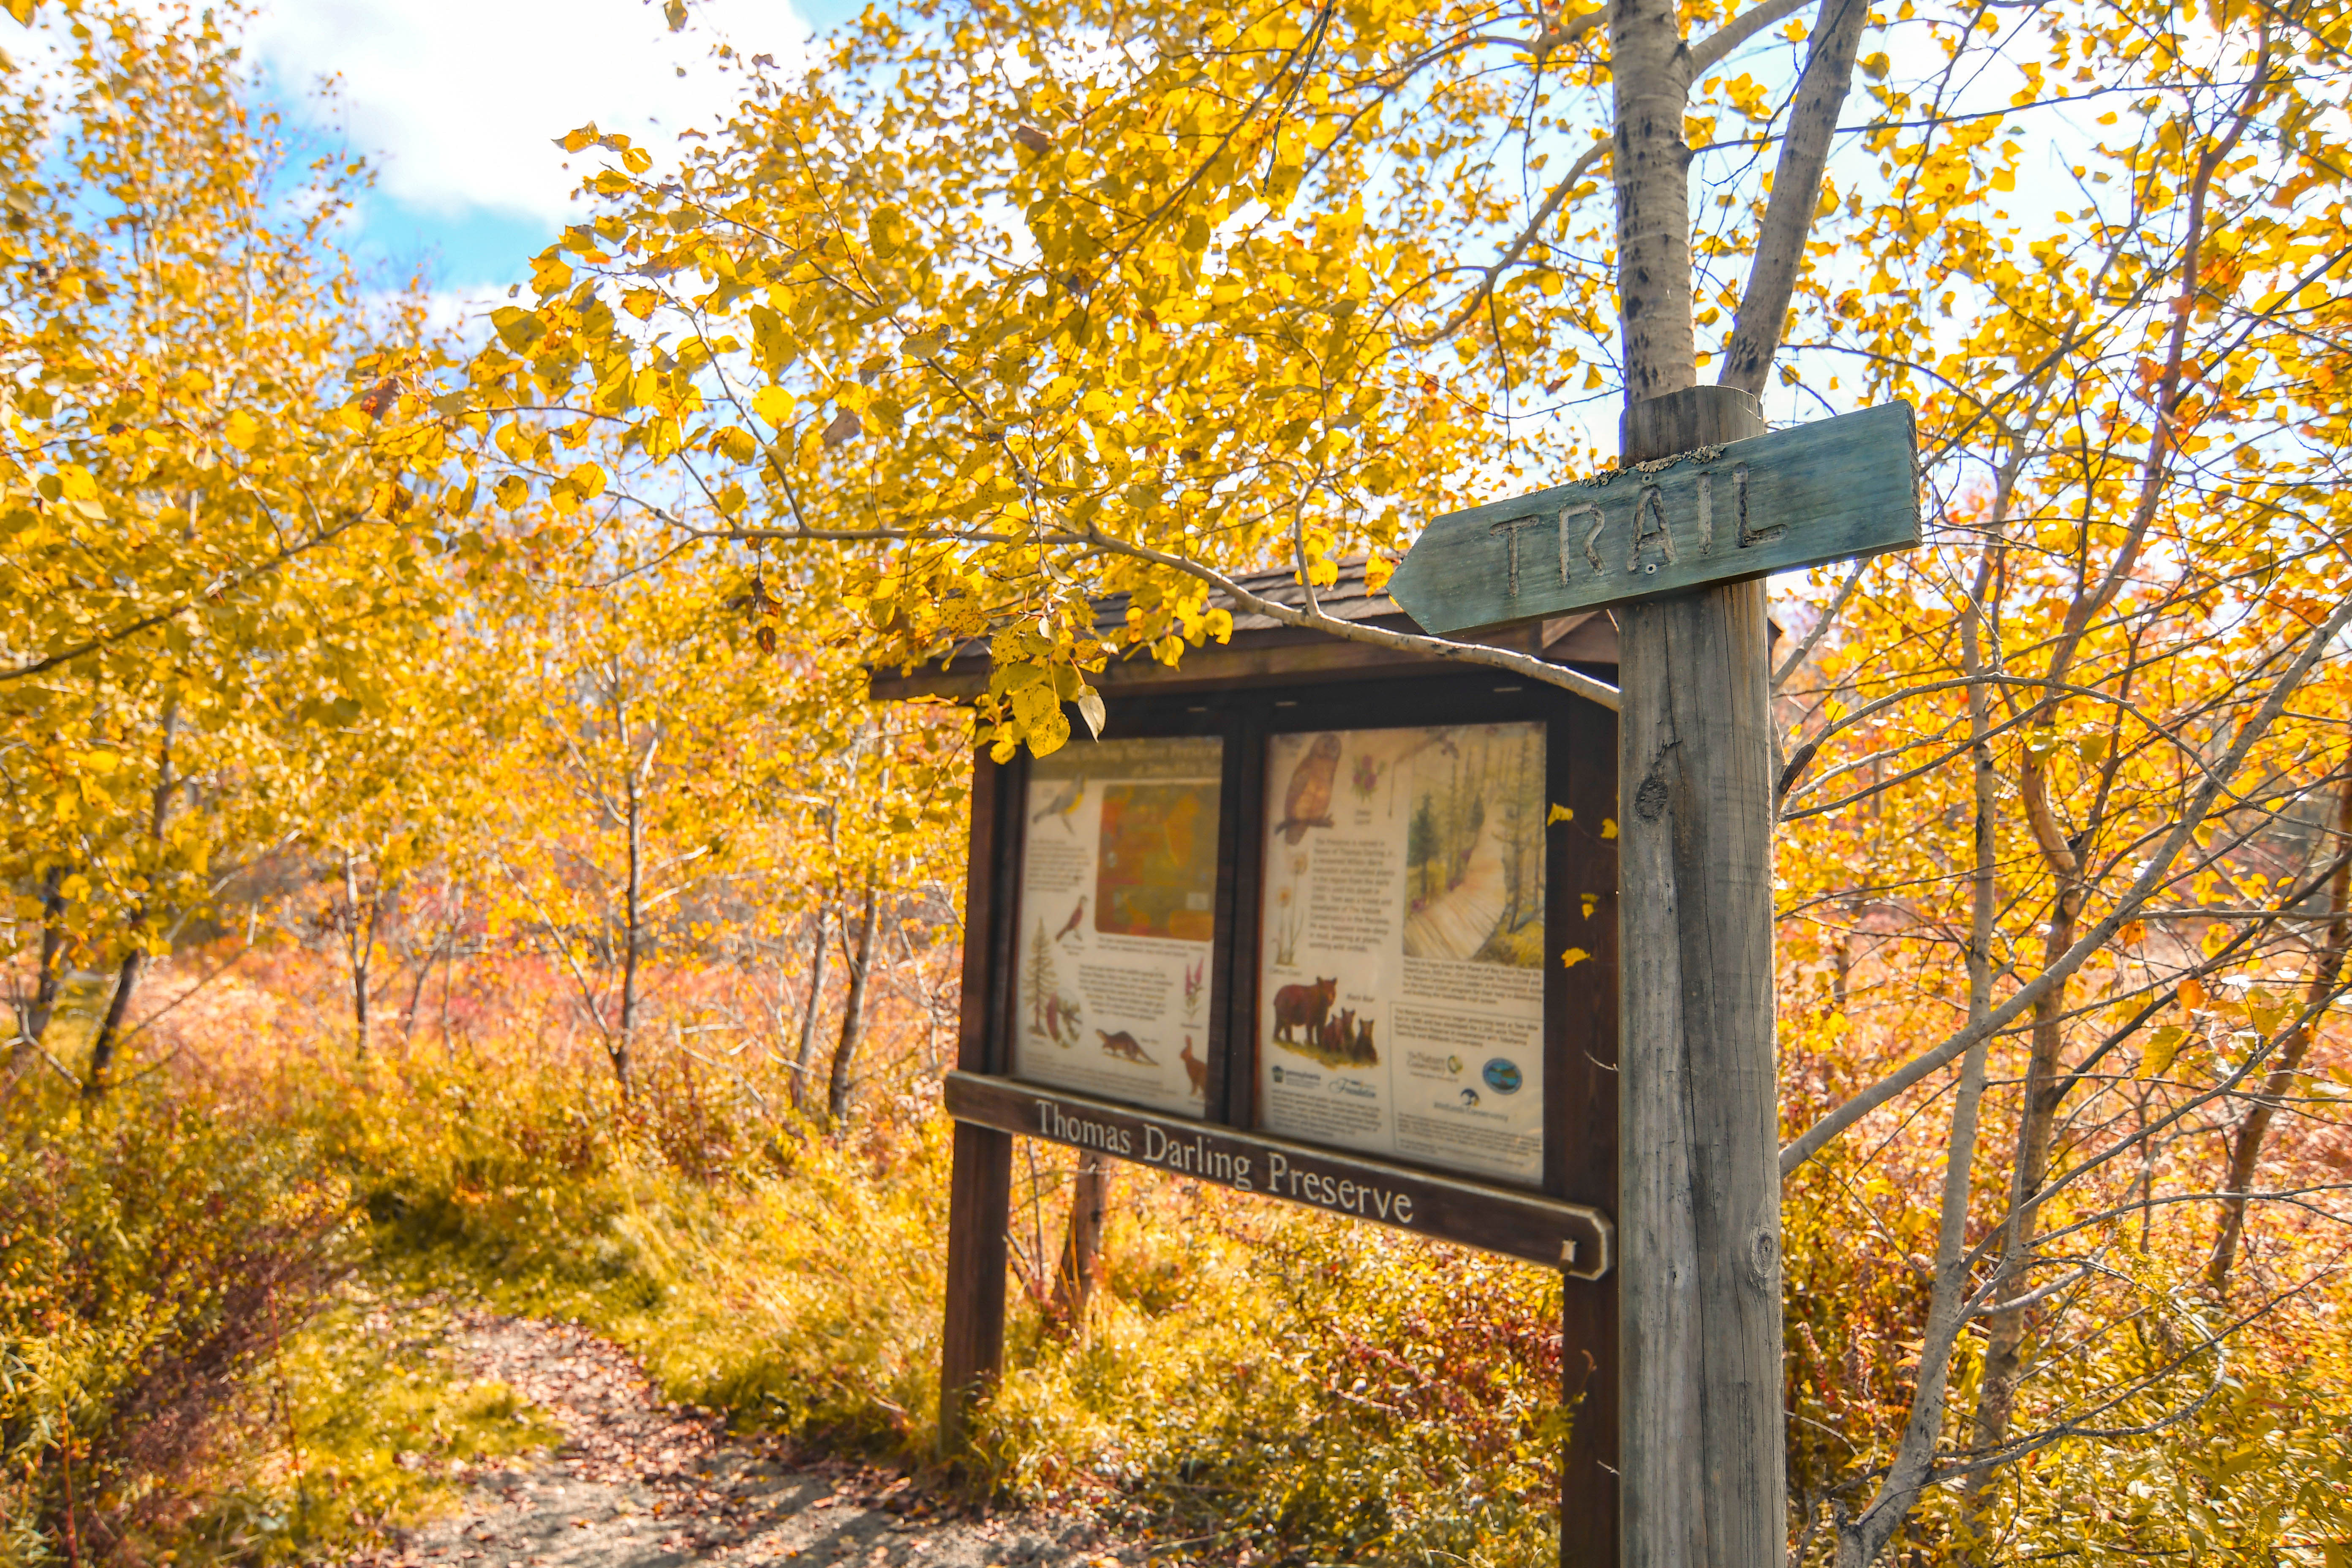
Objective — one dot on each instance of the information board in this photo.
(1400, 967)
(1118, 920)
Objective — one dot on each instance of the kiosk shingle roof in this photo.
(1264, 649)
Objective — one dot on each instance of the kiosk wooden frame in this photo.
(1269, 682)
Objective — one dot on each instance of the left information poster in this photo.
(1118, 887)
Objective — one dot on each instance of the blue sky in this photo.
(470, 184)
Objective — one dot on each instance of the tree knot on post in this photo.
(1650, 800)
(1764, 1258)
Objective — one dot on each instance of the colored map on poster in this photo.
(1117, 913)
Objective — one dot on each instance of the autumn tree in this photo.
(634, 712)
(202, 552)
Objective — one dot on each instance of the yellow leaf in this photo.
(1377, 569)
(1608, 827)
(1559, 813)
(2190, 994)
(1573, 956)
(241, 430)
(637, 159)
(550, 274)
(573, 141)
(774, 405)
(588, 479)
(639, 302)
(1591, 902)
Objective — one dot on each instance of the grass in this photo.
(1264, 1383)
(363, 1423)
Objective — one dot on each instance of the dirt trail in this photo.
(638, 1483)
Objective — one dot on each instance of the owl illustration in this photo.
(1307, 802)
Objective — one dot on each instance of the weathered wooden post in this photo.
(1678, 538)
(1702, 1458)
(979, 1197)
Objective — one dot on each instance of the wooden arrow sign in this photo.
(1841, 488)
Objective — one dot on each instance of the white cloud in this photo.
(460, 101)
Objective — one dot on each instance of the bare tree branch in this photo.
(1818, 1136)
(1796, 189)
(1518, 247)
(1711, 50)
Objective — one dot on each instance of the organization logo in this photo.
(1502, 1075)
(1454, 1065)
(1278, 1072)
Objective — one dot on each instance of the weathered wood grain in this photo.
(1572, 1238)
(1699, 1204)
(980, 1181)
(1709, 512)
(1581, 1109)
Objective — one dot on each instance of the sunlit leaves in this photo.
(211, 545)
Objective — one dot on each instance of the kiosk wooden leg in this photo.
(980, 1205)
(1588, 1470)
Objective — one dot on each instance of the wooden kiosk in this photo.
(1316, 920)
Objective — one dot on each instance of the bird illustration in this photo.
(1072, 923)
(1307, 802)
(1065, 804)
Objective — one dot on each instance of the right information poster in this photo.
(1400, 979)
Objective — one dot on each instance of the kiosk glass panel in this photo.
(1117, 915)
(1401, 970)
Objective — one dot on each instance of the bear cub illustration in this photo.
(1305, 1007)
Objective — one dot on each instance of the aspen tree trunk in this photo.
(804, 1058)
(632, 921)
(1860, 1538)
(33, 1018)
(853, 1012)
(1080, 1272)
(360, 942)
(2246, 1146)
(2004, 1362)
(2004, 1368)
(446, 935)
(1650, 74)
(126, 982)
